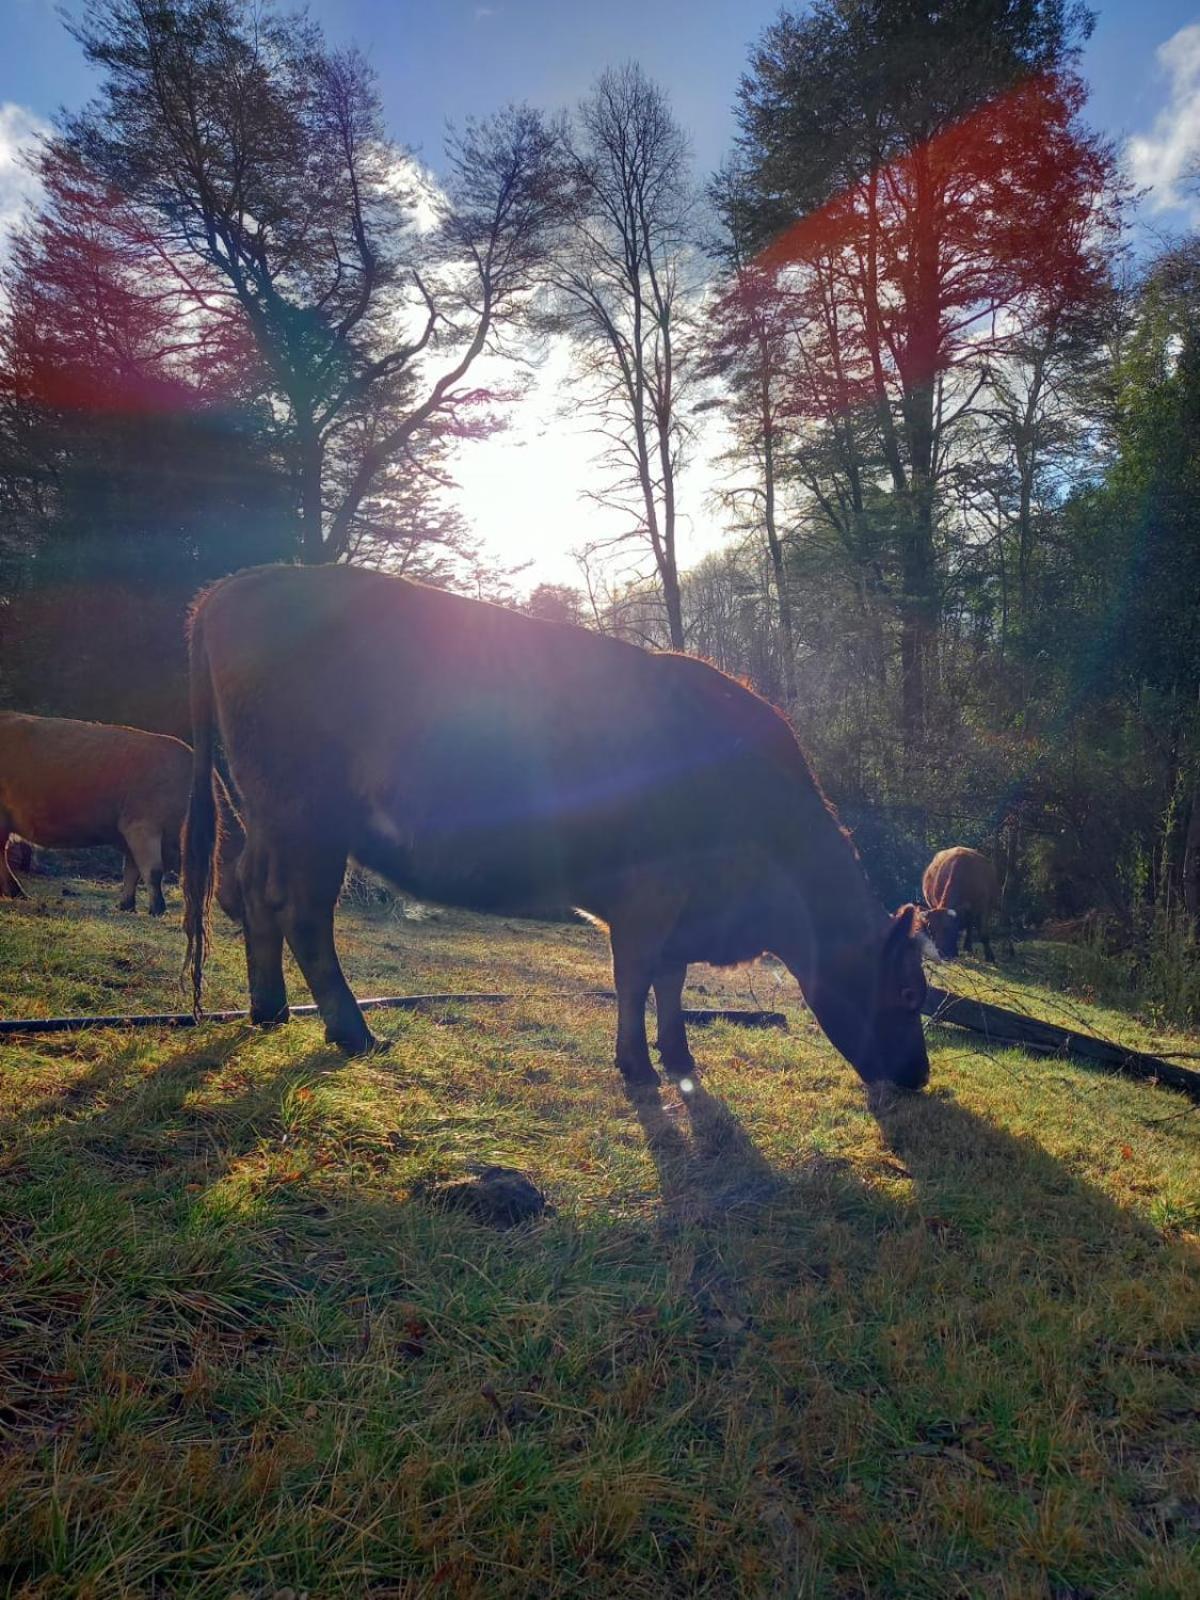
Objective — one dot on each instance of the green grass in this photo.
(768, 1342)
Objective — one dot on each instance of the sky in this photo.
(441, 60)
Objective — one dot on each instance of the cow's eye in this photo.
(911, 998)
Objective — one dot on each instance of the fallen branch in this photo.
(1047, 1039)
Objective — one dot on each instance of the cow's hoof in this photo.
(677, 1065)
(359, 1044)
(270, 1017)
(126, 905)
(158, 911)
(640, 1076)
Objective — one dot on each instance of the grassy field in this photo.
(766, 1342)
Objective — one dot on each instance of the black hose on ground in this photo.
(397, 1002)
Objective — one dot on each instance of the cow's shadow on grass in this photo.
(227, 1262)
(968, 1175)
(111, 1088)
(1018, 1225)
(707, 1163)
(972, 1176)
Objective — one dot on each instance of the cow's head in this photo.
(943, 929)
(868, 1000)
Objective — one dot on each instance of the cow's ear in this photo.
(902, 925)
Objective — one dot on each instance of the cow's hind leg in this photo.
(310, 897)
(129, 883)
(987, 943)
(10, 888)
(633, 972)
(144, 843)
(262, 935)
(672, 1034)
(638, 930)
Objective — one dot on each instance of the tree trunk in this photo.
(313, 548)
(918, 409)
(918, 621)
(674, 603)
(669, 564)
(1191, 858)
(778, 570)
(912, 684)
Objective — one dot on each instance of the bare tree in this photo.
(256, 160)
(622, 291)
(748, 345)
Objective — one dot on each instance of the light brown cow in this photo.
(67, 785)
(483, 758)
(962, 892)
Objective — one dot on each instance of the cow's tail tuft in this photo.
(200, 829)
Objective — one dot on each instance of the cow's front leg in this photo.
(638, 932)
(672, 1034)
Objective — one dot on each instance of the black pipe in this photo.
(999, 1026)
(399, 1002)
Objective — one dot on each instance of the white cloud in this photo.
(19, 131)
(1166, 157)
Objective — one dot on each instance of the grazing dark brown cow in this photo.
(487, 759)
(962, 892)
(66, 785)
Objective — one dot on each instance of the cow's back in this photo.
(961, 880)
(71, 784)
(364, 682)
(474, 752)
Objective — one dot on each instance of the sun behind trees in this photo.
(256, 160)
(233, 260)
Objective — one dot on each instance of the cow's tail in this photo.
(231, 841)
(200, 828)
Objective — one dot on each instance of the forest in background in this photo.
(958, 426)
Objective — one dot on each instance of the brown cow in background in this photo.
(67, 785)
(961, 892)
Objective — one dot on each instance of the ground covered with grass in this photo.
(766, 1341)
